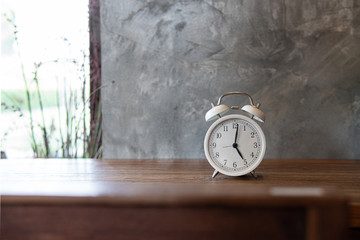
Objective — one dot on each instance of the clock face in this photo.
(234, 145)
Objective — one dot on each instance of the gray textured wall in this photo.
(164, 61)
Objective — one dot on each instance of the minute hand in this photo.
(235, 145)
(236, 133)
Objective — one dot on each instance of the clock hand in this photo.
(245, 162)
(236, 147)
(236, 133)
(227, 146)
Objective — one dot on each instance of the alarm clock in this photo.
(235, 144)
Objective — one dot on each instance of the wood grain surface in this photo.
(32, 176)
(315, 192)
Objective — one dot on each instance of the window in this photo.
(45, 79)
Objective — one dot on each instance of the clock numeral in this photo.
(235, 125)
(252, 134)
(255, 145)
(225, 161)
(234, 164)
(244, 129)
(226, 128)
(245, 162)
(213, 144)
(217, 155)
(252, 154)
(218, 135)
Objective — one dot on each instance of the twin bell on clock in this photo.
(235, 144)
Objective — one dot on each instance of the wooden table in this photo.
(177, 198)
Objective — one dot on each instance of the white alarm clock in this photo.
(235, 144)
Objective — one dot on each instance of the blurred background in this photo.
(163, 62)
(44, 78)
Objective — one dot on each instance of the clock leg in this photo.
(253, 173)
(215, 173)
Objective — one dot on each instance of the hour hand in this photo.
(236, 147)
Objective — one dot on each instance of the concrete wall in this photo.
(164, 61)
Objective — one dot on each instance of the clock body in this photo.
(234, 145)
